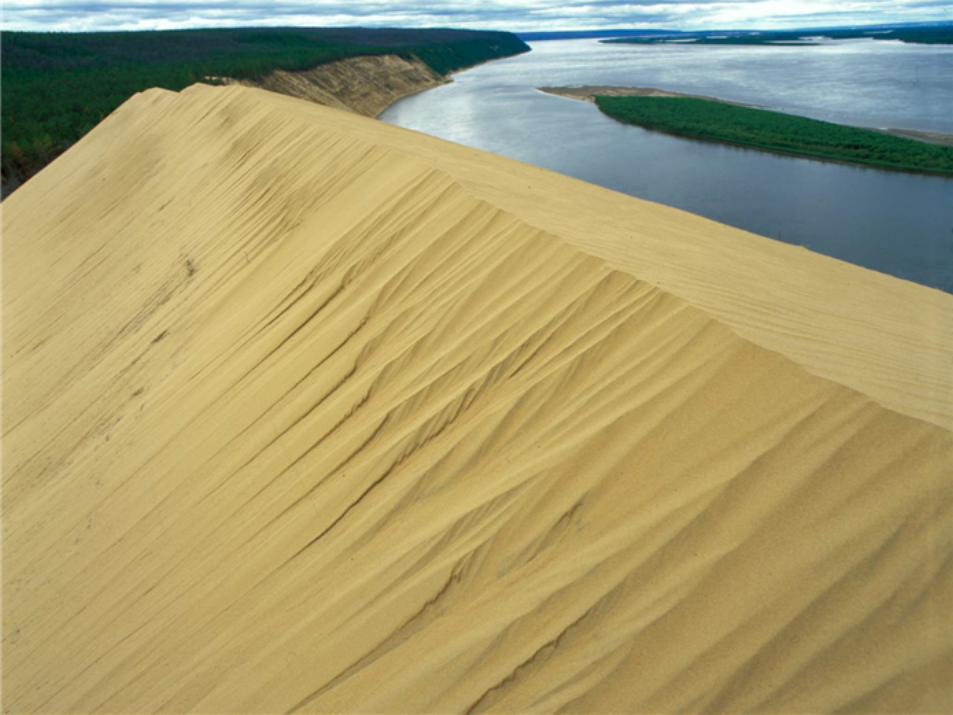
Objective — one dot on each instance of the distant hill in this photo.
(932, 33)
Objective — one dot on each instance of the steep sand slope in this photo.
(365, 85)
(305, 413)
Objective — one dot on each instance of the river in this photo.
(893, 222)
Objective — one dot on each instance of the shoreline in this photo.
(587, 93)
(447, 79)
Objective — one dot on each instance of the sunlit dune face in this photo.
(307, 413)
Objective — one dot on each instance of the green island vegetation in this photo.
(774, 131)
(57, 86)
(930, 34)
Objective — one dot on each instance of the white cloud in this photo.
(85, 15)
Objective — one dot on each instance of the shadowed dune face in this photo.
(303, 413)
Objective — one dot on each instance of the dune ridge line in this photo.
(307, 413)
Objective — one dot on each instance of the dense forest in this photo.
(57, 86)
(930, 35)
(775, 131)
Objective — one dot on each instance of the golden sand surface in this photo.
(307, 413)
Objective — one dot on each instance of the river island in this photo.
(712, 119)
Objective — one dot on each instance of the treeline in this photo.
(57, 86)
(929, 35)
(775, 131)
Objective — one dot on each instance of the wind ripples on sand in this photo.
(306, 413)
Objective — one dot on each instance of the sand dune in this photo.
(306, 413)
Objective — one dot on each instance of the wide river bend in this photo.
(893, 222)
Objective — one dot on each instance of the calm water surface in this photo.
(892, 222)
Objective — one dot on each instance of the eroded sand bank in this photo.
(303, 412)
(364, 85)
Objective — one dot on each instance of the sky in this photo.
(525, 15)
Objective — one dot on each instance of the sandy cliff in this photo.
(307, 413)
(365, 85)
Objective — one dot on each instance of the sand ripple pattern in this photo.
(297, 418)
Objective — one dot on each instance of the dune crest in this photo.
(306, 413)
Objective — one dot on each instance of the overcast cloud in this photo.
(536, 15)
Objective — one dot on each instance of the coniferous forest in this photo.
(938, 34)
(775, 131)
(58, 86)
